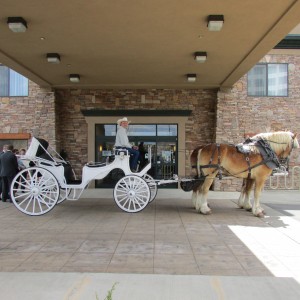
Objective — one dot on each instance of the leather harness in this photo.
(269, 158)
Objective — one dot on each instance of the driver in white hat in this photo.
(123, 142)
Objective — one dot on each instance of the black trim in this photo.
(289, 42)
(130, 113)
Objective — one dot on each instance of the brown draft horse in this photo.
(213, 159)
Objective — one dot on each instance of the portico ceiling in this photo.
(142, 44)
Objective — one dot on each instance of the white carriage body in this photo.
(90, 171)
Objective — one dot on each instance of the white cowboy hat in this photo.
(123, 120)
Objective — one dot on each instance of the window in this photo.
(12, 83)
(267, 80)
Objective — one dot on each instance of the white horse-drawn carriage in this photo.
(45, 183)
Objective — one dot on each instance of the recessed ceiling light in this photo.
(215, 22)
(53, 58)
(17, 24)
(200, 56)
(191, 77)
(74, 77)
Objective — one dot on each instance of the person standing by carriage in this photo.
(122, 142)
(1, 153)
(9, 169)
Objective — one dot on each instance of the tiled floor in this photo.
(168, 237)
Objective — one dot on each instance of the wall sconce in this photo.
(53, 58)
(16, 24)
(215, 22)
(200, 57)
(100, 148)
(74, 77)
(191, 77)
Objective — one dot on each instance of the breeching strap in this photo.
(216, 166)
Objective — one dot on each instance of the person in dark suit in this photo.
(2, 152)
(9, 169)
(142, 158)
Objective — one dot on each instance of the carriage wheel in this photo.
(152, 185)
(34, 191)
(132, 193)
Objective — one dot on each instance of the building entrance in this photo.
(163, 139)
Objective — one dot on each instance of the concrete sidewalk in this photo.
(88, 286)
(167, 251)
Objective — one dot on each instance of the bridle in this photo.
(285, 160)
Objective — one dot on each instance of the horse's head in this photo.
(281, 142)
(292, 145)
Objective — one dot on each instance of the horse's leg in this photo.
(194, 197)
(201, 202)
(244, 200)
(257, 209)
(242, 194)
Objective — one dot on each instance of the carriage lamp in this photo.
(53, 58)
(215, 22)
(191, 77)
(200, 56)
(74, 78)
(17, 24)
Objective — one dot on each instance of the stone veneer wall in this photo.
(34, 114)
(238, 114)
(73, 127)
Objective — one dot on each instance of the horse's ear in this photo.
(295, 135)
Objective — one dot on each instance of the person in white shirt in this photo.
(122, 142)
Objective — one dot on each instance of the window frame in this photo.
(267, 80)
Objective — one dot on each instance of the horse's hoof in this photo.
(260, 215)
(198, 210)
(249, 209)
(206, 212)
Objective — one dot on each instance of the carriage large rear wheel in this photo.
(132, 193)
(34, 191)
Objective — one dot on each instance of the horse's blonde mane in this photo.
(278, 140)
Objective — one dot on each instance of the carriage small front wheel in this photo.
(152, 185)
(132, 193)
(34, 191)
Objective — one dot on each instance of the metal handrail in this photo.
(286, 174)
